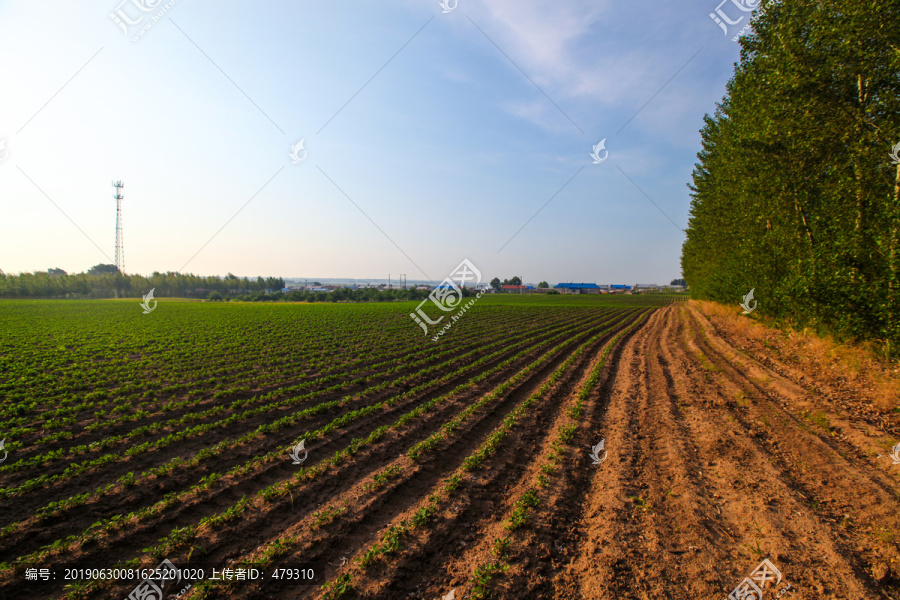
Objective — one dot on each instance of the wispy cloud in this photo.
(544, 34)
(581, 53)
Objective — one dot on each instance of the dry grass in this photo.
(822, 356)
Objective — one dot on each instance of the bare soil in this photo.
(716, 461)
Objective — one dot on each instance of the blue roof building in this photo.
(578, 288)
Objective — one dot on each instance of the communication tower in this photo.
(120, 244)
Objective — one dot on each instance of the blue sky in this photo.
(430, 137)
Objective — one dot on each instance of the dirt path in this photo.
(713, 469)
(716, 462)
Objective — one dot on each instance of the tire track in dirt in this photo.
(760, 514)
(803, 488)
(844, 434)
(606, 532)
(844, 396)
(673, 540)
(669, 513)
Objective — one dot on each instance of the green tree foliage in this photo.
(97, 283)
(495, 283)
(680, 282)
(42, 284)
(103, 270)
(543, 284)
(794, 193)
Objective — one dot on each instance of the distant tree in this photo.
(495, 283)
(543, 284)
(56, 273)
(102, 269)
(680, 282)
(514, 281)
(215, 296)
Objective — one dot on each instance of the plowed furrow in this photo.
(479, 502)
(356, 530)
(132, 539)
(270, 523)
(775, 507)
(149, 491)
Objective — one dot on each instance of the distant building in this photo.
(620, 289)
(645, 287)
(578, 288)
(515, 289)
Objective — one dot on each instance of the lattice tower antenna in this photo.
(120, 244)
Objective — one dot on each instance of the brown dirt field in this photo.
(715, 462)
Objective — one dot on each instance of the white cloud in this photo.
(584, 54)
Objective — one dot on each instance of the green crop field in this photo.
(136, 437)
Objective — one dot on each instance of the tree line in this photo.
(105, 281)
(796, 195)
